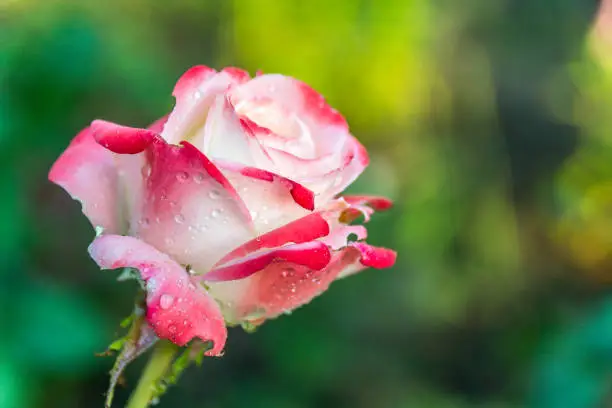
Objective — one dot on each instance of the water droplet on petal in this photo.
(146, 171)
(182, 176)
(215, 213)
(214, 194)
(253, 214)
(166, 300)
(144, 222)
(179, 218)
(197, 95)
(199, 178)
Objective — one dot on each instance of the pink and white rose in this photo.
(228, 207)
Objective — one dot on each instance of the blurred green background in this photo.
(488, 122)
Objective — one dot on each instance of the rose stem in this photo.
(156, 368)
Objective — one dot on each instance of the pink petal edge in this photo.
(177, 309)
(313, 255)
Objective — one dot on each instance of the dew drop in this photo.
(197, 95)
(172, 328)
(215, 213)
(214, 194)
(253, 214)
(166, 300)
(199, 178)
(179, 218)
(182, 176)
(144, 222)
(146, 171)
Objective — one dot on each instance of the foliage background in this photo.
(487, 121)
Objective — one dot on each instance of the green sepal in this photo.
(138, 340)
(194, 352)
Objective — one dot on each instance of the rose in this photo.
(227, 207)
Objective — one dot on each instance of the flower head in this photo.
(229, 207)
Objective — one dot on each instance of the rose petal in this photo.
(83, 162)
(298, 98)
(305, 229)
(121, 139)
(271, 199)
(177, 309)
(224, 137)
(195, 92)
(186, 199)
(375, 202)
(158, 125)
(284, 286)
(339, 236)
(314, 255)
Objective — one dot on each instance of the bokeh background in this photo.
(488, 122)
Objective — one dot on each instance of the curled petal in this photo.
(375, 202)
(121, 139)
(177, 309)
(283, 286)
(82, 162)
(313, 255)
(305, 229)
(375, 257)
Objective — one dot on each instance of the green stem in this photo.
(156, 368)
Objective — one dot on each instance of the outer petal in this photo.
(375, 202)
(305, 229)
(313, 255)
(186, 200)
(271, 199)
(88, 173)
(279, 290)
(282, 286)
(369, 256)
(177, 309)
(363, 205)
